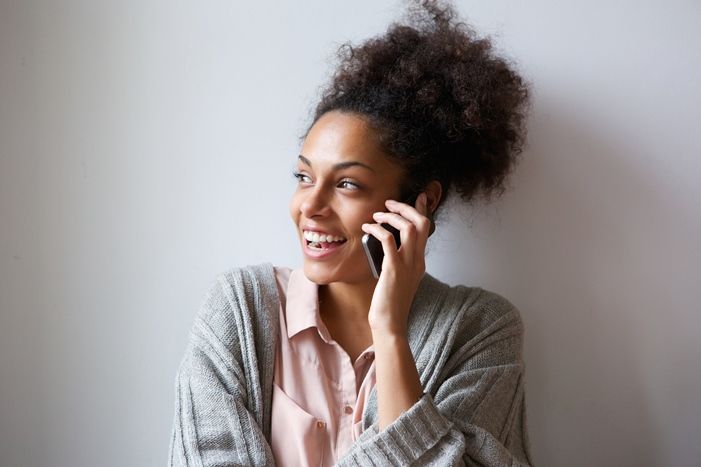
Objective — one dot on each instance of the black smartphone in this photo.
(374, 251)
(373, 247)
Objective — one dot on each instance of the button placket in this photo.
(350, 376)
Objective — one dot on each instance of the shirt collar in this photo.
(302, 307)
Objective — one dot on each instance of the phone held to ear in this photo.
(373, 247)
(374, 252)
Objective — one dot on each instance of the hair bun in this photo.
(444, 105)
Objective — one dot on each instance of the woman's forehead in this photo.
(343, 138)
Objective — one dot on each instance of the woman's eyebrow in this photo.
(340, 165)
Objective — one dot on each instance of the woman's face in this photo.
(344, 178)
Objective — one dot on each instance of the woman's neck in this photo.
(346, 302)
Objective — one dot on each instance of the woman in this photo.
(329, 365)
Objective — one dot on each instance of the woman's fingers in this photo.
(407, 230)
(389, 246)
(421, 223)
(410, 212)
(413, 229)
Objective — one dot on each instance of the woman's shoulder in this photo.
(494, 306)
(475, 325)
(249, 277)
(240, 285)
(477, 307)
(479, 326)
(234, 325)
(249, 271)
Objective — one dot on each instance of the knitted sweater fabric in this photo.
(467, 345)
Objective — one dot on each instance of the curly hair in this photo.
(440, 101)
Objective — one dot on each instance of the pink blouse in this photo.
(318, 393)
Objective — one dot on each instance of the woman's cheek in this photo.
(294, 207)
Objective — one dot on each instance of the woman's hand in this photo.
(402, 269)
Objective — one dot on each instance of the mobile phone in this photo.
(373, 247)
(374, 251)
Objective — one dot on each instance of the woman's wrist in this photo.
(398, 383)
(389, 333)
(391, 327)
(395, 336)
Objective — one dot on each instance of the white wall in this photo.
(146, 146)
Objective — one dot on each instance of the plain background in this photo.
(146, 146)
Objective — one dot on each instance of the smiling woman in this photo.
(344, 177)
(326, 363)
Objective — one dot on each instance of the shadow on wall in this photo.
(586, 243)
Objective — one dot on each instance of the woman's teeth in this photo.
(314, 237)
(321, 242)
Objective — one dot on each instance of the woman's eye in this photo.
(348, 184)
(302, 178)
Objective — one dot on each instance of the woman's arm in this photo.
(398, 384)
(213, 425)
(476, 417)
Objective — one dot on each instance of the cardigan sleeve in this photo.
(476, 417)
(213, 425)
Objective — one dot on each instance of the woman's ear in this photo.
(433, 190)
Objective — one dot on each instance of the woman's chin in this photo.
(322, 273)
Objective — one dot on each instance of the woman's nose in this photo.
(315, 203)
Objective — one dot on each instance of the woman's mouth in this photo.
(318, 245)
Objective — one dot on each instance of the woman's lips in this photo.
(323, 253)
(308, 232)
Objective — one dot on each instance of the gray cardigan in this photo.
(466, 342)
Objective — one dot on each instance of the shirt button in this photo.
(367, 356)
(348, 409)
(320, 424)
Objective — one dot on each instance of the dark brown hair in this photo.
(441, 102)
